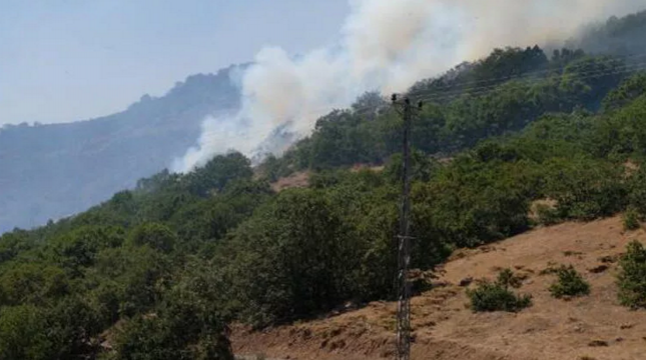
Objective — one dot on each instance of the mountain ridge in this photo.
(44, 164)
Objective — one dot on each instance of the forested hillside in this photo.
(498, 95)
(157, 272)
(52, 171)
(620, 36)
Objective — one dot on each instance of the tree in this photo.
(155, 235)
(630, 89)
(77, 249)
(71, 326)
(218, 172)
(295, 252)
(22, 333)
(585, 189)
(186, 324)
(136, 275)
(32, 283)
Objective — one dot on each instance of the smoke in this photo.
(385, 46)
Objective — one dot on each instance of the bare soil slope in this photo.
(298, 179)
(591, 327)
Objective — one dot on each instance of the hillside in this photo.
(52, 171)
(159, 271)
(164, 269)
(445, 329)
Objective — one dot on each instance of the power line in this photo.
(434, 95)
(479, 92)
(520, 75)
(574, 76)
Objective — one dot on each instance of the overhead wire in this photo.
(436, 95)
(487, 89)
(519, 75)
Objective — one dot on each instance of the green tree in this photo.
(23, 333)
(217, 173)
(32, 283)
(76, 250)
(585, 189)
(155, 235)
(186, 324)
(630, 89)
(295, 252)
(71, 326)
(137, 275)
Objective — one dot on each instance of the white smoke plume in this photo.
(385, 45)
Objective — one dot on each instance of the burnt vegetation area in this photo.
(157, 272)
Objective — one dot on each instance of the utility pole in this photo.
(404, 108)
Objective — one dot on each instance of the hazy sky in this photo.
(68, 60)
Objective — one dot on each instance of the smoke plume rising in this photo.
(384, 45)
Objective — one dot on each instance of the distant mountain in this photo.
(51, 171)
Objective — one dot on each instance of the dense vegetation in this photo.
(159, 271)
(498, 95)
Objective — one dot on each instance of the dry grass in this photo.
(299, 179)
(445, 329)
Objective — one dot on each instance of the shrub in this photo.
(569, 283)
(546, 214)
(495, 296)
(508, 279)
(631, 279)
(636, 192)
(631, 219)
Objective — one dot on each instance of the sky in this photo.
(70, 60)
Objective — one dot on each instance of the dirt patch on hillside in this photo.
(298, 179)
(359, 167)
(594, 326)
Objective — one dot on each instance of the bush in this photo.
(546, 214)
(495, 296)
(508, 279)
(569, 283)
(631, 219)
(636, 192)
(631, 279)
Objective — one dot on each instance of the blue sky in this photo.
(69, 60)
